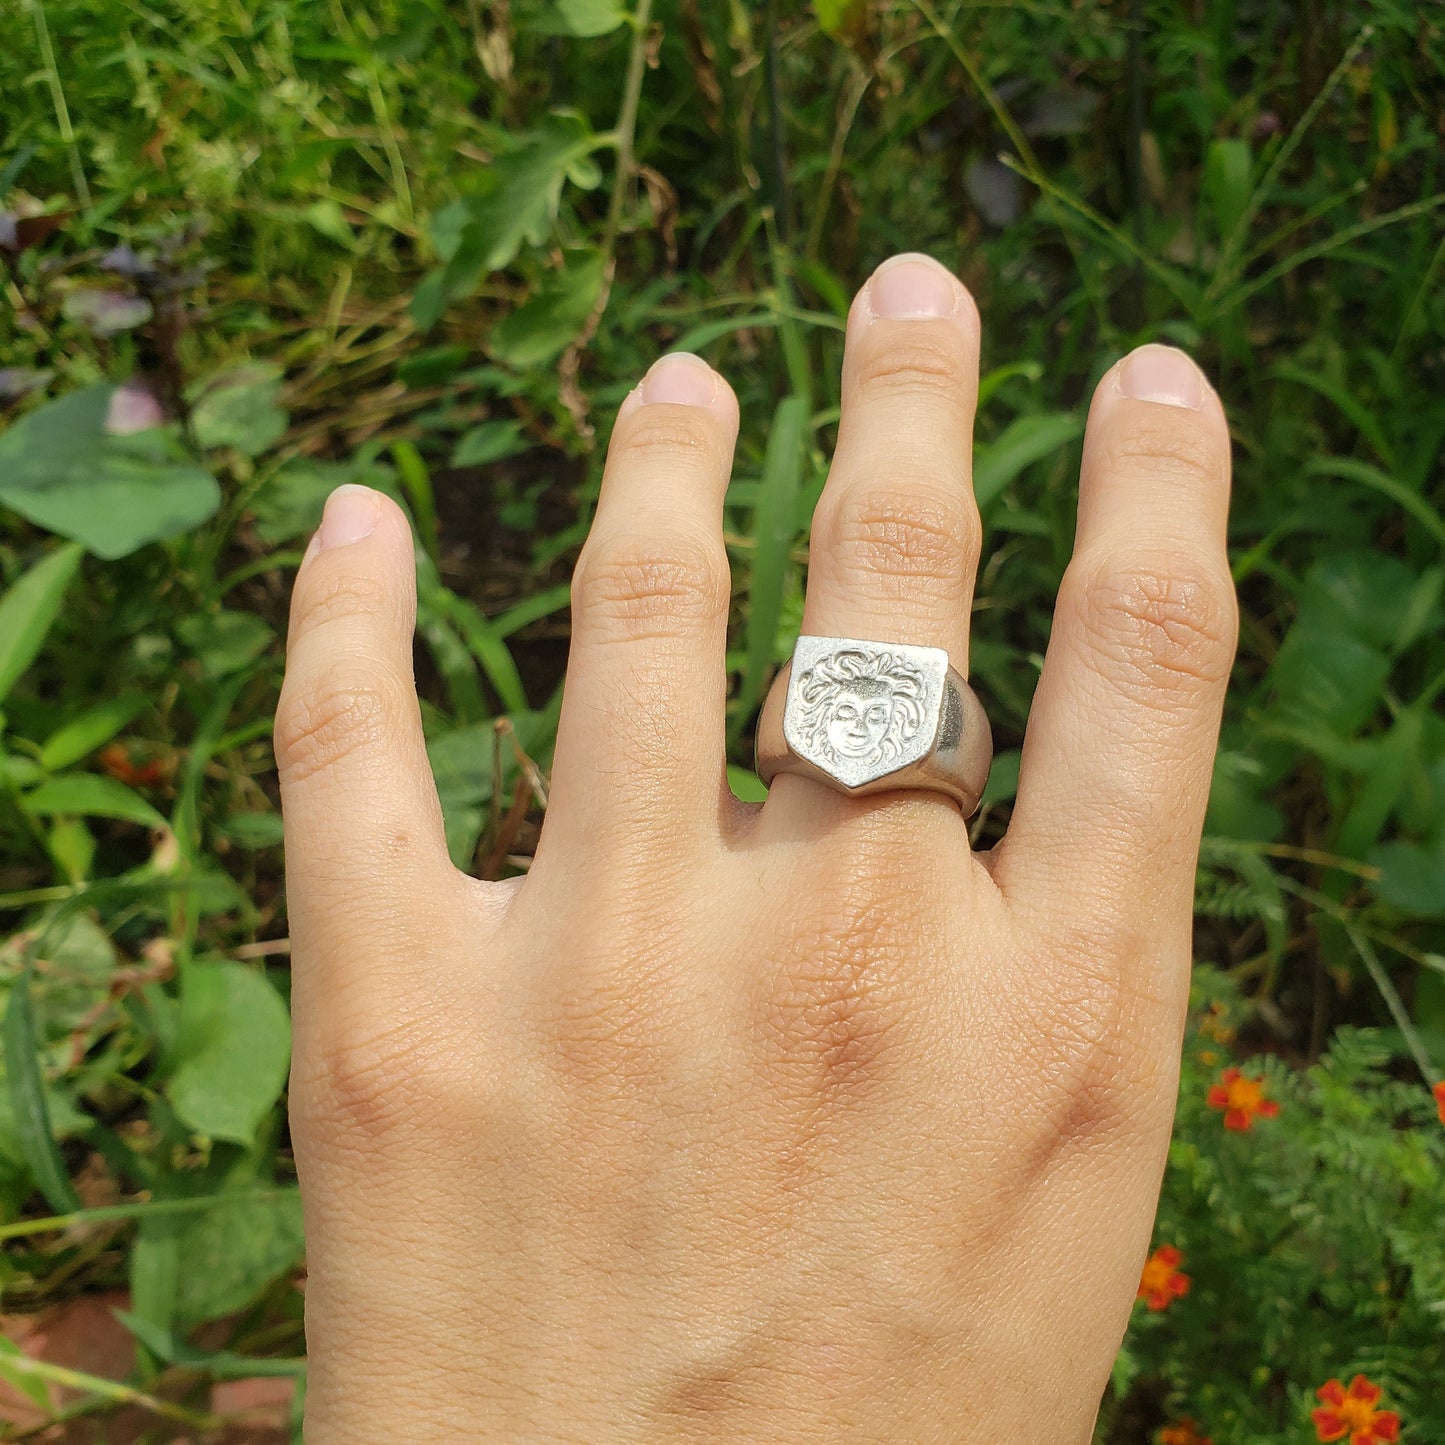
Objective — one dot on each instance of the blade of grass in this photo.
(416, 481)
(486, 645)
(1393, 1002)
(1352, 470)
(27, 1095)
(775, 520)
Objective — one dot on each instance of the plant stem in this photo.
(137, 1209)
(113, 1390)
(1394, 1003)
(1029, 162)
(626, 131)
(57, 98)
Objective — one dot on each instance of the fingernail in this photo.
(352, 513)
(912, 287)
(1161, 374)
(680, 378)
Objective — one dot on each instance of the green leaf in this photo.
(231, 1254)
(60, 469)
(1412, 878)
(1228, 183)
(1003, 778)
(1321, 672)
(72, 848)
(27, 1098)
(327, 219)
(489, 442)
(92, 795)
(520, 205)
(543, 326)
(589, 18)
(28, 610)
(290, 503)
(254, 830)
(844, 20)
(233, 1049)
(1025, 440)
(238, 409)
(219, 1364)
(224, 642)
(30, 1385)
(155, 1271)
(83, 734)
(1364, 593)
(746, 784)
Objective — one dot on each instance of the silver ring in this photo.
(872, 717)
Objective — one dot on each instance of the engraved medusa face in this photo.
(861, 705)
(859, 717)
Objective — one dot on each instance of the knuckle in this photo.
(909, 534)
(338, 592)
(1096, 1030)
(365, 1086)
(931, 361)
(325, 719)
(666, 436)
(645, 586)
(1161, 447)
(832, 1020)
(1162, 629)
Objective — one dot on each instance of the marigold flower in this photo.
(1439, 1092)
(116, 760)
(1183, 1432)
(1352, 1412)
(1161, 1280)
(1241, 1099)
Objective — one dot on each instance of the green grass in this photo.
(376, 245)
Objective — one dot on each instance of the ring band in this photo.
(873, 717)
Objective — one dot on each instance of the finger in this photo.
(895, 538)
(1120, 741)
(640, 741)
(360, 806)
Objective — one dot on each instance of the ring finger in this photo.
(895, 537)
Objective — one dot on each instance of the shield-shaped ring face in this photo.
(862, 710)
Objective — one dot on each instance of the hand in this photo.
(757, 1123)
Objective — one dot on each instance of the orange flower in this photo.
(116, 761)
(1353, 1413)
(1161, 1281)
(1241, 1099)
(1439, 1092)
(1186, 1432)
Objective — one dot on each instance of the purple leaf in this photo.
(105, 313)
(20, 380)
(132, 408)
(126, 261)
(997, 191)
(1062, 110)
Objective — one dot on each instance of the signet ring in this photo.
(873, 717)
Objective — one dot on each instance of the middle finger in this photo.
(895, 537)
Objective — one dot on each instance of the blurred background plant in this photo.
(248, 253)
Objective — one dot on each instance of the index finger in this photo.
(1119, 749)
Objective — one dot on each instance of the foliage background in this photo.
(430, 246)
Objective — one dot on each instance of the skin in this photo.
(788, 1122)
